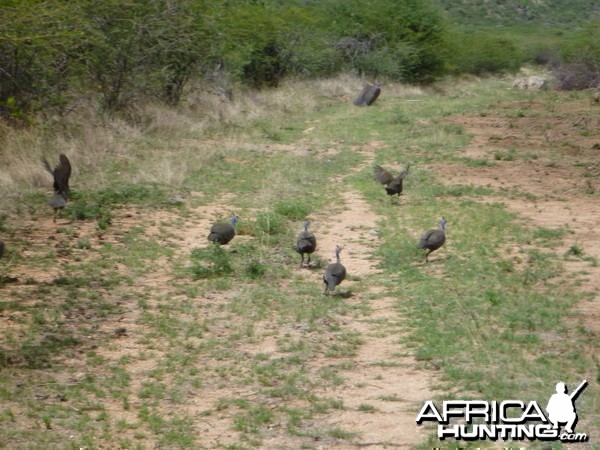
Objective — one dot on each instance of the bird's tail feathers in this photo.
(46, 165)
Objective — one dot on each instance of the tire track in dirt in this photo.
(385, 389)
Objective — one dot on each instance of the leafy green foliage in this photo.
(209, 262)
(527, 12)
(580, 61)
(483, 53)
(293, 209)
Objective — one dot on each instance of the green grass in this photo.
(491, 316)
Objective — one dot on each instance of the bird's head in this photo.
(443, 224)
(306, 224)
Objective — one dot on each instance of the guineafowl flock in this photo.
(306, 243)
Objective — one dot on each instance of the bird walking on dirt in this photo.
(334, 273)
(222, 233)
(393, 185)
(433, 239)
(61, 174)
(306, 243)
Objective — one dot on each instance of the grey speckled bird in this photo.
(393, 185)
(334, 273)
(58, 202)
(306, 243)
(222, 233)
(368, 94)
(61, 174)
(433, 239)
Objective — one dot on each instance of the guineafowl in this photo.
(61, 174)
(433, 239)
(222, 233)
(335, 273)
(306, 243)
(373, 94)
(393, 185)
(58, 202)
(368, 95)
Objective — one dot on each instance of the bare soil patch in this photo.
(546, 162)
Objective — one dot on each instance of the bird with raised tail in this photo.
(433, 239)
(334, 273)
(393, 185)
(61, 174)
(222, 233)
(306, 243)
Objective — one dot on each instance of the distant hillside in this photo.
(521, 12)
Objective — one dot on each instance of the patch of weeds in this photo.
(454, 129)
(549, 234)
(398, 118)
(270, 223)
(330, 374)
(506, 265)
(339, 433)
(84, 244)
(592, 260)
(471, 162)
(293, 209)
(460, 190)
(508, 155)
(364, 407)
(541, 267)
(86, 209)
(574, 250)
(253, 418)
(256, 268)
(212, 261)
(37, 353)
(390, 398)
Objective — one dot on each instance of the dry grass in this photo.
(97, 144)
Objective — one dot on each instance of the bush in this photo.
(397, 63)
(481, 53)
(579, 66)
(266, 66)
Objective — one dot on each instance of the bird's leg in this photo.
(302, 260)
(55, 214)
(308, 263)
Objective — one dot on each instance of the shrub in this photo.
(481, 53)
(579, 66)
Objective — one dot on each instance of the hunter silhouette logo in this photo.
(507, 420)
(561, 407)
